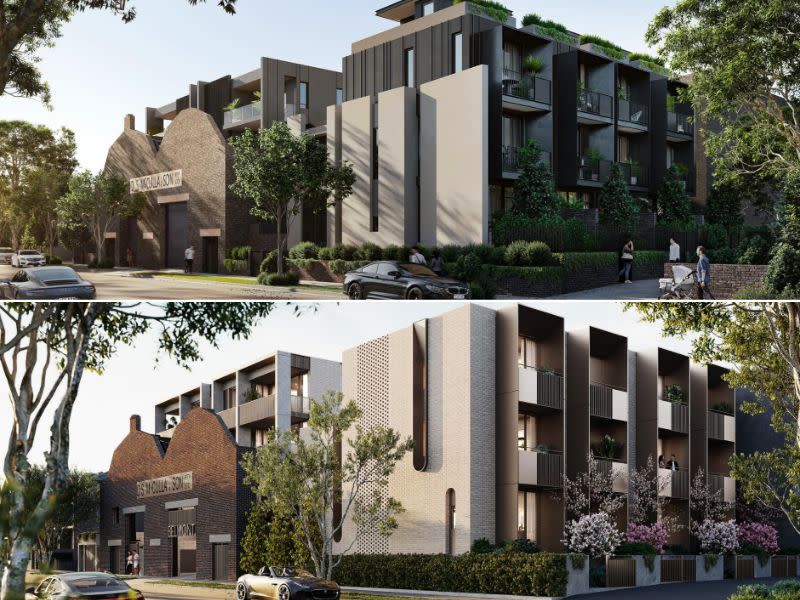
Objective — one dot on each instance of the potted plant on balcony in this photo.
(674, 394)
(724, 408)
(533, 64)
(594, 157)
(251, 394)
(232, 106)
(634, 173)
(608, 448)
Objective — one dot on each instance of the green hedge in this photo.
(788, 589)
(531, 274)
(517, 574)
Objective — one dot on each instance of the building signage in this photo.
(181, 530)
(159, 181)
(172, 484)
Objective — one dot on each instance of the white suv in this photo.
(28, 258)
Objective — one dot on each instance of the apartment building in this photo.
(178, 496)
(183, 163)
(502, 403)
(436, 109)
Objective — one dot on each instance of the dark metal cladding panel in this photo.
(217, 97)
(565, 113)
(424, 54)
(358, 69)
(380, 82)
(658, 132)
(490, 44)
(440, 53)
(397, 63)
(369, 71)
(577, 409)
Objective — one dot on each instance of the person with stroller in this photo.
(703, 275)
(626, 260)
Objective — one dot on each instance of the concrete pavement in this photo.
(645, 289)
(710, 590)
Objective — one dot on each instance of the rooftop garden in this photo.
(609, 48)
(654, 63)
(490, 8)
(555, 30)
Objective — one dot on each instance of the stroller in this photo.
(680, 287)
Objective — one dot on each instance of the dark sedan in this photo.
(47, 283)
(82, 585)
(402, 281)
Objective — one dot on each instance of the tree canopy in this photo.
(535, 191)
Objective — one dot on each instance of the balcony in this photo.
(511, 157)
(526, 93)
(680, 123)
(619, 470)
(634, 113)
(301, 405)
(687, 176)
(635, 175)
(608, 402)
(673, 416)
(244, 115)
(228, 417)
(595, 103)
(723, 484)
(721, 426)
(593, 170)
(676, 483)
(256, 410)
(541, 468)
(542, 388)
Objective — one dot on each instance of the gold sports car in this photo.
(284, 583)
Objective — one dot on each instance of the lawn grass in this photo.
(230, 586)
(240, 281)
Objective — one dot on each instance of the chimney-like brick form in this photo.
(136, 423)
(130, 122)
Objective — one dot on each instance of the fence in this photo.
(678, 569)
(620, 572)
(784, 566)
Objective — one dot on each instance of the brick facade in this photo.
(728, 280)
(202, 445)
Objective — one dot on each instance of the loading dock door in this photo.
(176, 216)
(220, 562)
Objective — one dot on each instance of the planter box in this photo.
(765, 571)
(715, 573)
(577, 579)
(644, 576)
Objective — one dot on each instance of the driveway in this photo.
(711, 590)
(645, 289)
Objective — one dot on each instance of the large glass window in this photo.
(458, 52)
(526, 352)
(339, 96)
(303, 95)
(526, 432)
(410, 76)
(427, 9)
(512, 131)
(526, 515)
(229, 398)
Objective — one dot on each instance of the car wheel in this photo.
(284, 593)
(354, 291)
(241, 591)
(414, 293)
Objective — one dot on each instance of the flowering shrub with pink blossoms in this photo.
(656, 535)
(760, 535)
(595, 535)
(717, 537)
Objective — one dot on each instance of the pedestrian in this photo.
(417, 257)
(626, 258)
(129, 563)
(703, 275)
(135, 562)
(189, 256)
(437, 264)
(661, 463)
(674, 251)
(129, 258)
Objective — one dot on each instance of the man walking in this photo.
(703, 275)
(189, 256)
(417, 257)
(674, 251)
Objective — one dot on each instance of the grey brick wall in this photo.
(728, 280)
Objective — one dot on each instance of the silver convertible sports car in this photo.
(285, 583)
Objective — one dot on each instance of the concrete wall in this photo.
(454, 149)
(356, 148)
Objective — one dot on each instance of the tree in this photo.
(534, 191)
(271, 539)
(646, 505)
(44, 350)
(282, 174)
(617, 205)
(707, 504)
(96, 202)
(745, 68)
(309, 476)
(762, 341)
(724, 207)
(26, 152)
(783, 274)
(27, 26)
(592, 491)
(672, 200)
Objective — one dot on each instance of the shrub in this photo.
(270, 263)
(340, 267)
(103, 263)
(534, 19)
(755, 250)
(647, 58)
(609, 48)
(524, 546)
(451, 253)
(595, 535)
(714, 237)
(617, 205)
(761, 536)
(52, 259)
(370, 252)
(634, 549)
(344, 252)
(517, 254)
(325, 253)
(287, 279)
(482, 546)
(240, 253)
(716, 538)
(672, 200)
(753, 591)
(723, 256)
(655, 536)
(490, 8)
(304, 250)
(783, 275)
(535, 190)
(520, 574)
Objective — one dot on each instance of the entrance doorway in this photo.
(184, 542)
(219, 562)
(110, 250)
(113, 559)
(210, 255)
(175, 227)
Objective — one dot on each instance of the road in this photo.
(121, 285)
(711, 590)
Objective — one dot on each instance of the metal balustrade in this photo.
(541, 467)
(535, 89)
(511, 159)
(242, 115)
(596, 103)
(680, 123)
(633, 112)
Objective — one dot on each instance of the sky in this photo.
(133, 382)
(102, 69)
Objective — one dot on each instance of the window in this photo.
(229, 398)
(370, 270)
(303, 95)
(420, 392)
(427, 9)
(526, 350)
(410, 80)
(339, 96)
(297, 385)
(526, 516)
(385, 268)
(115, 515)
(458, 52)
(512, 131)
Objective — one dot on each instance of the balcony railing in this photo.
(539, 467)
(721, 426)
(543, 388)
(256, 410)
(619, 470)
(301, 405)
(535, 89)
(242, 115)
(724, 484)
(633, 112)
(673, 416)
(687, 176)
(608, 402)
(228, 417)
(596, 103)
(680, 123)
(635, 175)
(594, 169)
(676, 483)
(511, 157)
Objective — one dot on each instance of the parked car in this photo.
(403, 281)
(285, 583)
(28, 258)
(82, 585)
(46, 283)
(5, 255)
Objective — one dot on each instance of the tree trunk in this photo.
(280, 221)
(13, 583)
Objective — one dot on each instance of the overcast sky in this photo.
(133, 383)
(102, 69)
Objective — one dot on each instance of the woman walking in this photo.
(626, 258)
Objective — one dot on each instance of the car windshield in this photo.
(29, 253)
(5, 250)
(284, 571)
(56, 274)
(96, 583)
(417, 270)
